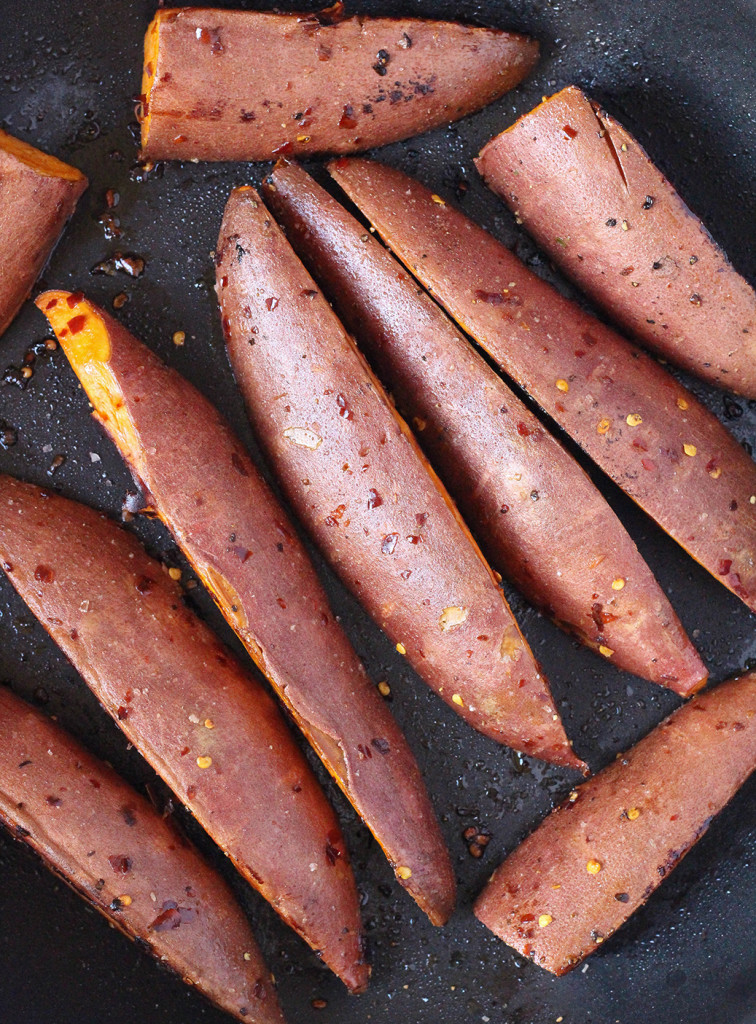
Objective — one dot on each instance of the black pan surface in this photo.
(682, 77)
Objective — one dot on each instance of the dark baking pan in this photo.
(681, 76)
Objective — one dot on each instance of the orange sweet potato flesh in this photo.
(356, 477)
(243, 546)
(206, 727)
(646, 431)
(247, 85)
(113, 848)
(593, 200)
(38, 193)
(533, 508)
(600, 855)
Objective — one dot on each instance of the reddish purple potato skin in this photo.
(34, 208)
(357, 479)
(593, 200)
(265, 585)
(248, 85)
(162, 675)
(636, 819)
(647, 432)
(106, 841)
(535, 511)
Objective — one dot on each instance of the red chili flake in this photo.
(123, 712)
(523, 431)
(420, 517)
(389, 543)
(497, 298)
(144, 584)
(44, 574)
(167, 921)
(414, 539)
(725, 564)
(335, 516)
(406, 574)
(344, 409)
(77, 324)
(280, 602)
(347, 118)
(283, 149)
(53, 801)
(241, 553)
(640, 445)
(51, 303)
(120, 863)
(580, 352)
(648, 464)
(569, 131)
(73, 299)
(374, 499)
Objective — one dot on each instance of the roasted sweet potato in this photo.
(110, 845)
(600, 855)
(248, 554)
(357, 479)
(247, 85)
(208, 729)
(532, 507)
(38, 193)
(590, 196)
(646, 431)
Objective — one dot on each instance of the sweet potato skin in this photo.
(218, 84)
(204, 725)
(593, 200)
(533, 508)
(266, 586)
(34, 208)
(600, 855)
(107, 842)
(356, 477)
(646, 431)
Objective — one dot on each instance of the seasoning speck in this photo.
(562, 384)
(383, 688)
(593, 866)
(690, 449)
(401, 648)
(544, 920)
(618, 584)
(634, 419)
(457, 699)
(606, 651)
(633, 813)
(179, 337)
(205, 761)
(404, 873)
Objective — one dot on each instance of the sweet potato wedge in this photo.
(357, 479)
(206, 727)
(537, 514)
(600, 855)
(243, 546)
(646, 431)
(590, 196)
(38, 193)
(113, 848)
(247, 85)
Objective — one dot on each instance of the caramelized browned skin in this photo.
(38, 193)
(219, 85)
(110, 845)
(647, 432)
(538, 514)
(247, 552)
(588, 193)
(206, 727)
(600, 855)
(355, 475)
